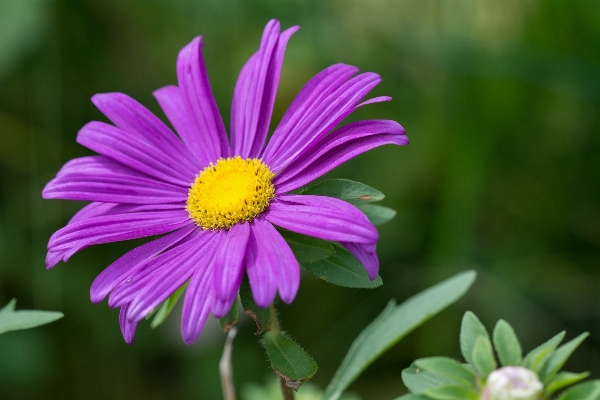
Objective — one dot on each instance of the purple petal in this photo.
(92, 210)
(129, 150)
(270, 265)
(254, 94)
(127, 327)
(197, 304)
(115, 227)
(316, 123)
(322, 217)
(133, 260)
(130, 116)
(228, 267)
(207, 137)
(342, 145)
(98, 178)
(366, 255)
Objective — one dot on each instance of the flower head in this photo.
(216, 200)
(512, 383)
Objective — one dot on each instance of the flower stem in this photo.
(225, 369)
(286, 391)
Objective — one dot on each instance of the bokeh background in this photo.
(501, 101)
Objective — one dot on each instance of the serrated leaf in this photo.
(451, 392)
(289, 360)
(471, 328)
(11, 320)
(262, 316)
(448, 368)
(378, 215)
(417, 381)
(307, 248)
(507, 344)
(537, 357)
(560, 357)
(231, 318)
(394, 323)
(483, 356)
(583, 391)
(353, 192)
(166, 307)
(564, 379)
(342, 269)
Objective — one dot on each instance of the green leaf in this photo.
(564, 379)
(378, 215)
(560, 357)
(394, 323)
(11, 320)
(583, 391)
(166, 307)
(411, 396)
(231, 318)
(343, 269)
(262, 316)
(417, 381)
(353, 192)
(289, 360)
(483, 356)
(307, 248)
(507, 344)
(537, 357)
(471, 328)
(451, 392)
(448, 368)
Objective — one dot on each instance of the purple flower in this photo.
(218, 200)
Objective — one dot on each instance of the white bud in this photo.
(512, 383)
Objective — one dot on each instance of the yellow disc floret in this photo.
(230, 191)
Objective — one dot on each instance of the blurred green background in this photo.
(501, 101)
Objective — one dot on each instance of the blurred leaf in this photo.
(11, 320)
(451, 392)
(536, 358)
(353, 192)
(378, 215)
(583, 391)
(471, 328)
(417, 380)
(560, 357)
(342, 269)
(307, 248)
(262, 316)
(393, 324)
(483, 356)
(411, 396)
(166, 307)
(564, 379)
(448, 368)
(507, 344)
(231, 318)
(289, 360)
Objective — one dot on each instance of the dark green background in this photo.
(501, 101)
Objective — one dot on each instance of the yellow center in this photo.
(230, 191)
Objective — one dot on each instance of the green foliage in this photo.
(394, 323)
(261, 316)
(378, 215)
(11, 320)
(507, 344)
(163, 311)
(231, 318)
(355, 193)
(584, 391)
(418, 381)
(446, 367)
(564, 379)
(451, 392)
(482, 356)
(307, 248)
(471, 328)
(288, 359)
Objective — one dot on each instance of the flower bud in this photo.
(512, 383)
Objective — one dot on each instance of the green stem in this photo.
(286, 391)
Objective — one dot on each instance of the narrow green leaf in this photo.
(343, 269)
(507, 344)
(451, 392)
(307, 248)
(378, 215)
(483, 356)
(471, 328)
(231, 318)
(262, 316)
(166, 307)
(394, 323)
(537, 357)
(11, 320)
(417, 381)
(564, 379)
(289, 360)
(560, 357)
(448, 368)
(411, 396)
(353, 192)
(583, 391)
